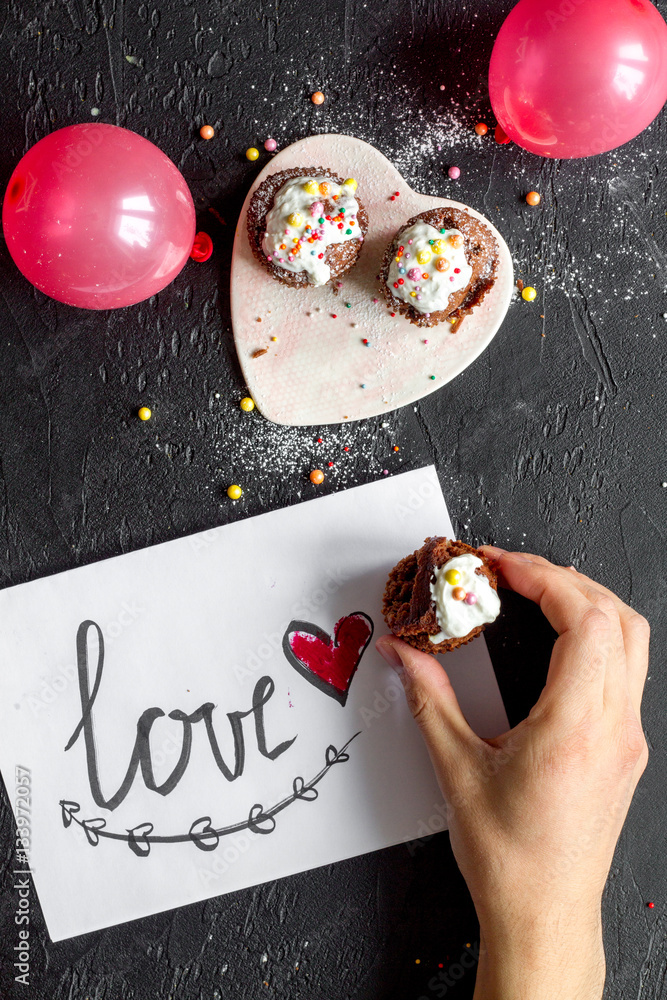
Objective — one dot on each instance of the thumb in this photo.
(433, 703)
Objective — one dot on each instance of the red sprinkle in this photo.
(400, 281)
(334, 316)
(364, 341)
(346, 448)
(330, 464)
(396, 194)
(392, 314)
(319, 440)
(651, 906)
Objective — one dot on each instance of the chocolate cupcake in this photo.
(439, 266)
(306, 226)
(441, 596)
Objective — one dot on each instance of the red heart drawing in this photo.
(327, 662)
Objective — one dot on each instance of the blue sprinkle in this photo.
(401, 270)
(363, 385)
(312, 253)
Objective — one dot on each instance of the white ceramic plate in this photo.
(314, 372)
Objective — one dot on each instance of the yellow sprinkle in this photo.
(351, 183)
(424, 256)
(247, 404)
(274, 339)
(234, 492)
(252, 153)
(144, 413)
(452, 576)
(310, 187)
(529, 293)
(294, 219)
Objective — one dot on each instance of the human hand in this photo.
(534, 815)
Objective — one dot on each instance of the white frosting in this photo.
(456, 618)
(406, 278)
(338, 225)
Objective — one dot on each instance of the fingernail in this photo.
(493, 551)
(388, 653)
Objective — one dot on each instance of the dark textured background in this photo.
(552, 440)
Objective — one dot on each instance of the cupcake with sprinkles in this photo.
(441, 596)
(306, 226)
(439, 266)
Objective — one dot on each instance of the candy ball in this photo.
(442, 264)
(234, 492)
(452, 576)
(252, 153)
(481, 128)
(247, 404)
(351, 184)
(458, 593)
(317, 97)
(529, 293)
(533, 198)
(207, 131)
(578, 81)
(316, 477)
(454, 173)
(144, 413)
(98, 217)
(270, 145)
(471, 598)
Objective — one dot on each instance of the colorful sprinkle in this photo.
(471, 598)
(207, 131)
(270, 145)
(234, 492)
(247, 404)
(442, 264)
(453, 576)
(458, 593)
(454, 173)
(481, 128)
(310, 187)
(316, 477)
(144, 413)
(533, 198)
(432, 378)
(529, 293)
(251, 153)
(414, 274)
(317, 97)
(351, 183)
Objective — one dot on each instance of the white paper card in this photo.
(205, 753)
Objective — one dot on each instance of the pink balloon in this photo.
(98, 217)
(578, 77)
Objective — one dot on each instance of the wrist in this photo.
(543, 956)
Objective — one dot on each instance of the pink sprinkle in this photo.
(454, 173)
(287, 232)
(451, 277)
(410, 241)
(414, 274)
(470, 599)
(269, 258)
(439, 148)
(316, 208)
(270, 145)
(442, 87)
(340, 284)
(426, 341)
(385, 472)
(376, 300)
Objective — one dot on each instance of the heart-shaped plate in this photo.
(318, 369)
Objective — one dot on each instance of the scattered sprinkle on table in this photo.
(651, 906)
(334, 316)
(396, 448)
(317, 97)
(251, 153)
(392, 314)
(432, 378)
(365, 341)
(262, 350)
(385, 472)
(270, 145)
(319, 440)
(348, 305)
(234, 492)
(247, 404)
(330, 464)
(529, 293)
(454, 173)
(317, 477)
(144, 413)
(533, 198)
(207, 131)
(481, 128)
